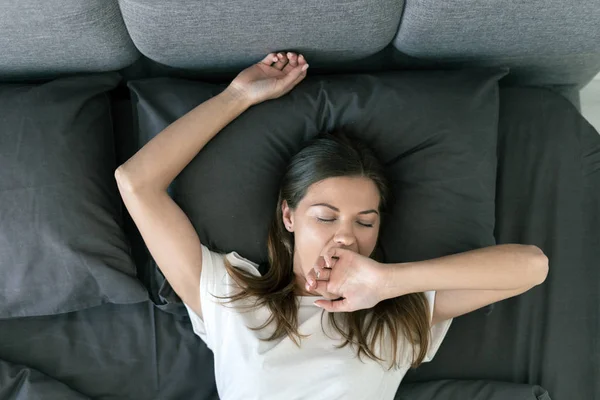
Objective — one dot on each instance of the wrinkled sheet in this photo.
(109, 352)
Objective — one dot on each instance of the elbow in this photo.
(122, 182)
(129, 183)
(539, 265)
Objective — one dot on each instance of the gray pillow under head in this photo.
(435, 132)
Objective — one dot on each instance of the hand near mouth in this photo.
(349, 281)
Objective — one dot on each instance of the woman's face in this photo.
(335, 212)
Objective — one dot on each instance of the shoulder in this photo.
(215, 262)
(237, 261)
(215, 283)
(430, 296)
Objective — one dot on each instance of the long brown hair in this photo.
(332, 155)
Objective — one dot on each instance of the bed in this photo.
(541, 345)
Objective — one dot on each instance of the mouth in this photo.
(327, 251)
(333, 247)
(336, 247)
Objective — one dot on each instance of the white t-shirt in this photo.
(248, 368)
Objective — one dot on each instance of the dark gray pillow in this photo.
(61, 242)
(470, 390)
(23, 383)
(435, 131)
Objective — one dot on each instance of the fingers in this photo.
(320, 287)
(311, 280)
(301, 60)
(281, 61)
(334, 305)
(294, 76)
(334, 254)
(323, 274)
(292, 62)
(269, 59)
(293, 59)
(294, 69)
(323, 290)
(319, 272)
(301, 76)
(329, 257)
(289, 60)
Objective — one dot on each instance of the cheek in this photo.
(310, 239)
(312, 232)
(367, 240)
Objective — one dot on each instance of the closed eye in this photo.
(325, 220)
(331, 220)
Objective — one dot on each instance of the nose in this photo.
(345, 237)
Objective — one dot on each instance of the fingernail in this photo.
(307, 287)
(280, 55)
(315, 303)
(304, 67)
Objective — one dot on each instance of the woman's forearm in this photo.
(159, 162)
(501, 267)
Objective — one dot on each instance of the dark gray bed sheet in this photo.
(109, 352)
(548, 194)
(18, 382)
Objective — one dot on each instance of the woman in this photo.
(268, 333)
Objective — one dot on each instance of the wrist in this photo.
(395, 280)
(234, 94)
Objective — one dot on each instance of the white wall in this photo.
(590, 102)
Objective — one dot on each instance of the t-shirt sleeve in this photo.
(215, 281)
(438, 331)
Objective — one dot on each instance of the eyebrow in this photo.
(338, 210)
